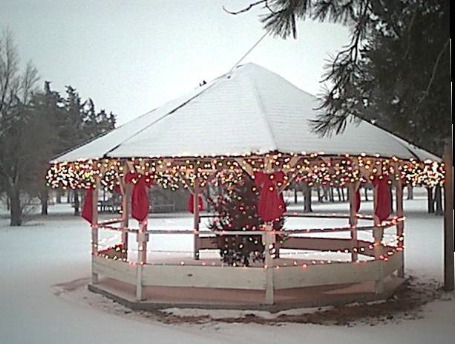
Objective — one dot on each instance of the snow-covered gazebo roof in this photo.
(248, 111)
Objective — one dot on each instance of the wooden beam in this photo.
(142, 239)
(400, 224)
(126, 205)
(269, 241)
(94, 227)
(378, 234)
(353, 187)
(196, 219)
(244, 165)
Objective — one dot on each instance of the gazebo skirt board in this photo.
(192, 286)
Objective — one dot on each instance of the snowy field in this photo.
(47, 251)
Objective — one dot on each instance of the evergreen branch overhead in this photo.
(392, 71)
(246, 9)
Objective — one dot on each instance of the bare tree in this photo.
(16, 89)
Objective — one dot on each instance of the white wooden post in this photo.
(269, 239)
(353, 219)
(196, 218)
(139, 287)
(378, 233)
(142, 239)
(400, 224)
(94, 226)
(126, 205)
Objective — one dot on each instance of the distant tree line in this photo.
(36, 125)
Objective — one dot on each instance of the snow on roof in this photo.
(249, 110)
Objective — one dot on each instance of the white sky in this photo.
(132, 56)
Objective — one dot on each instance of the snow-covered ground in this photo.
(47, 251)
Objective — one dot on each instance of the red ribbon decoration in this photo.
(271, 203)
(191, 203)
(139, 198)
(87, 209)
(384, 198)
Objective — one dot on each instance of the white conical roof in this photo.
(248, 111)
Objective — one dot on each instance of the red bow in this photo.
(191, 204)
(139, 197)
(271, 203)
(384, 198)
(87, 209)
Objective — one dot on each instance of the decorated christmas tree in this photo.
(236, 210)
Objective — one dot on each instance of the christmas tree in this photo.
(236, 210)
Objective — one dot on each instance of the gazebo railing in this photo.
(113, 262)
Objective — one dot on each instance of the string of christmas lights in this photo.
(177, 173)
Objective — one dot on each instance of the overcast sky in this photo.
(131, 56)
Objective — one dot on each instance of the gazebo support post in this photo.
(400, 223)
(353, 187)
(126, 204)
(378, 233)
(142, 239)
(195, 190)
(269, 241)
(269, 237)
(94, 227)
(196, 218)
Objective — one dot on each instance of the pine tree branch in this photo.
(249, 7)
(433, 75)
(435, 68)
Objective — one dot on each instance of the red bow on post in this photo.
(139, 197)
(271, 203)
(191, 203)
(384, 198)
(87, 209)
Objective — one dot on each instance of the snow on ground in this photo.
(45, 252)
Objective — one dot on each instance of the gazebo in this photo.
(252, 121)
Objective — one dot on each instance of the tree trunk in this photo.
(8, 203)
(331, 195)
(320, 199)
(410, 192)
(76, 203)
(339, 194)
(44, 201)
(307, 198)
(438, 200)
(15, 207)
(58, 196)
(365, 193)
(326, 193)
(295, 196)
(68, 196)
(430, 200)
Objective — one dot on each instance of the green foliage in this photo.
(236, 210)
